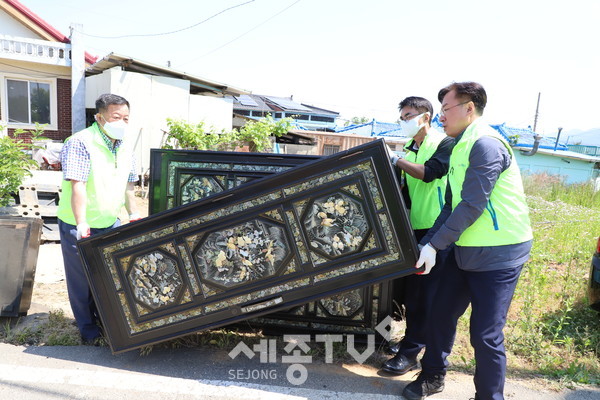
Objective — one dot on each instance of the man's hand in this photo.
(427, 257)
(134, 217)
(83, 230)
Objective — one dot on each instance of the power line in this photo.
(170, 32)
(243, 34)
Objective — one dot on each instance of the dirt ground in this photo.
(50, 288)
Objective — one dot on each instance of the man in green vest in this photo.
(98, 179)
(486, 223)
(424, 170)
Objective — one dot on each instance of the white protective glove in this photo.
(83, 230)
(134, 217)
(393, 156)
(427, 257)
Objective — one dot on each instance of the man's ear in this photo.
(470, 107)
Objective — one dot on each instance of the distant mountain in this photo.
(591, 137)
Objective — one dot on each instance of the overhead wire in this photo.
(243, 34)
(170, 32)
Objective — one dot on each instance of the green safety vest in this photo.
(107, 181)
(427, 199)
(505, 219)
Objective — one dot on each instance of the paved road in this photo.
(85, 372)
(94, 373)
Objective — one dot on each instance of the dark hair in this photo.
(418, 103)
(108, 99)
(467, 91)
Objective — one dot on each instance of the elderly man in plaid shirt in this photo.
(98, 179)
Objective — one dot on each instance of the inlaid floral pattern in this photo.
(246, 252)
(336, 225)
(197, 188)
(343, 304)
(154, 279)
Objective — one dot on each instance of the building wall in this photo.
(153, 99)
(12, 27)
(325, 140)
(60, 103)
(574, 171)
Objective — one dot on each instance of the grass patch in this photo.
(57, 330)
(551, 331)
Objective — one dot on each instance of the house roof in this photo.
(373, 128)
(567, 154)
(36, 24)
(266, 103)
(198, 85)
(524, 137)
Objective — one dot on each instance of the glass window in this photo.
(28, 102)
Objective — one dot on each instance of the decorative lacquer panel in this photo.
(182, 176)
(295, 241)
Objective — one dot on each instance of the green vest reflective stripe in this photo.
(505, 219)
(106, 183)
(427, 199)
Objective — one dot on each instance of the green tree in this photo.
(357, 121)
(256, 134)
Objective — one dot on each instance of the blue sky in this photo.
(361, 58)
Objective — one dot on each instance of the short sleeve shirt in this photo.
(75, 160)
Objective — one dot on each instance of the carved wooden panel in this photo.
(333, 225)
(181, 176)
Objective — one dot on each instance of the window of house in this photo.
(329, 149)
(28, 102)
(321, 119)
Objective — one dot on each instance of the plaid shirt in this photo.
(75, 159)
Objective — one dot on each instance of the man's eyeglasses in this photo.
(408, 117)
(444, 111)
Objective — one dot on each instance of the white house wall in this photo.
(153, 99)
(216, 112)
(12, 27)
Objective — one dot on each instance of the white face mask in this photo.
(115, 130)
(411, 127)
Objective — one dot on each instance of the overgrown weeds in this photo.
(550, 329)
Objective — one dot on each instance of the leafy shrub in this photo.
(256, 134)
(14, 167)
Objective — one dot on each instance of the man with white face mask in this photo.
(98, 179)
(424, 168)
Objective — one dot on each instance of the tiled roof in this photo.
(373, 128)
(524, 137)
(278, 104)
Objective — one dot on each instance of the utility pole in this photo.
(537, 109)
(77, 79)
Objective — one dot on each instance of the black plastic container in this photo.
(19, 247)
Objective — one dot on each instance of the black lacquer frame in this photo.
(172, 170)
(178, 177)
(247, 253)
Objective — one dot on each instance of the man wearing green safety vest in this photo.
(486, 224)
(424, 170)
(98, 179)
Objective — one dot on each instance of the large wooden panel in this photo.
(179, 177)
(326, 227)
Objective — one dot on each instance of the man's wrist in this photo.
(433, 247)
